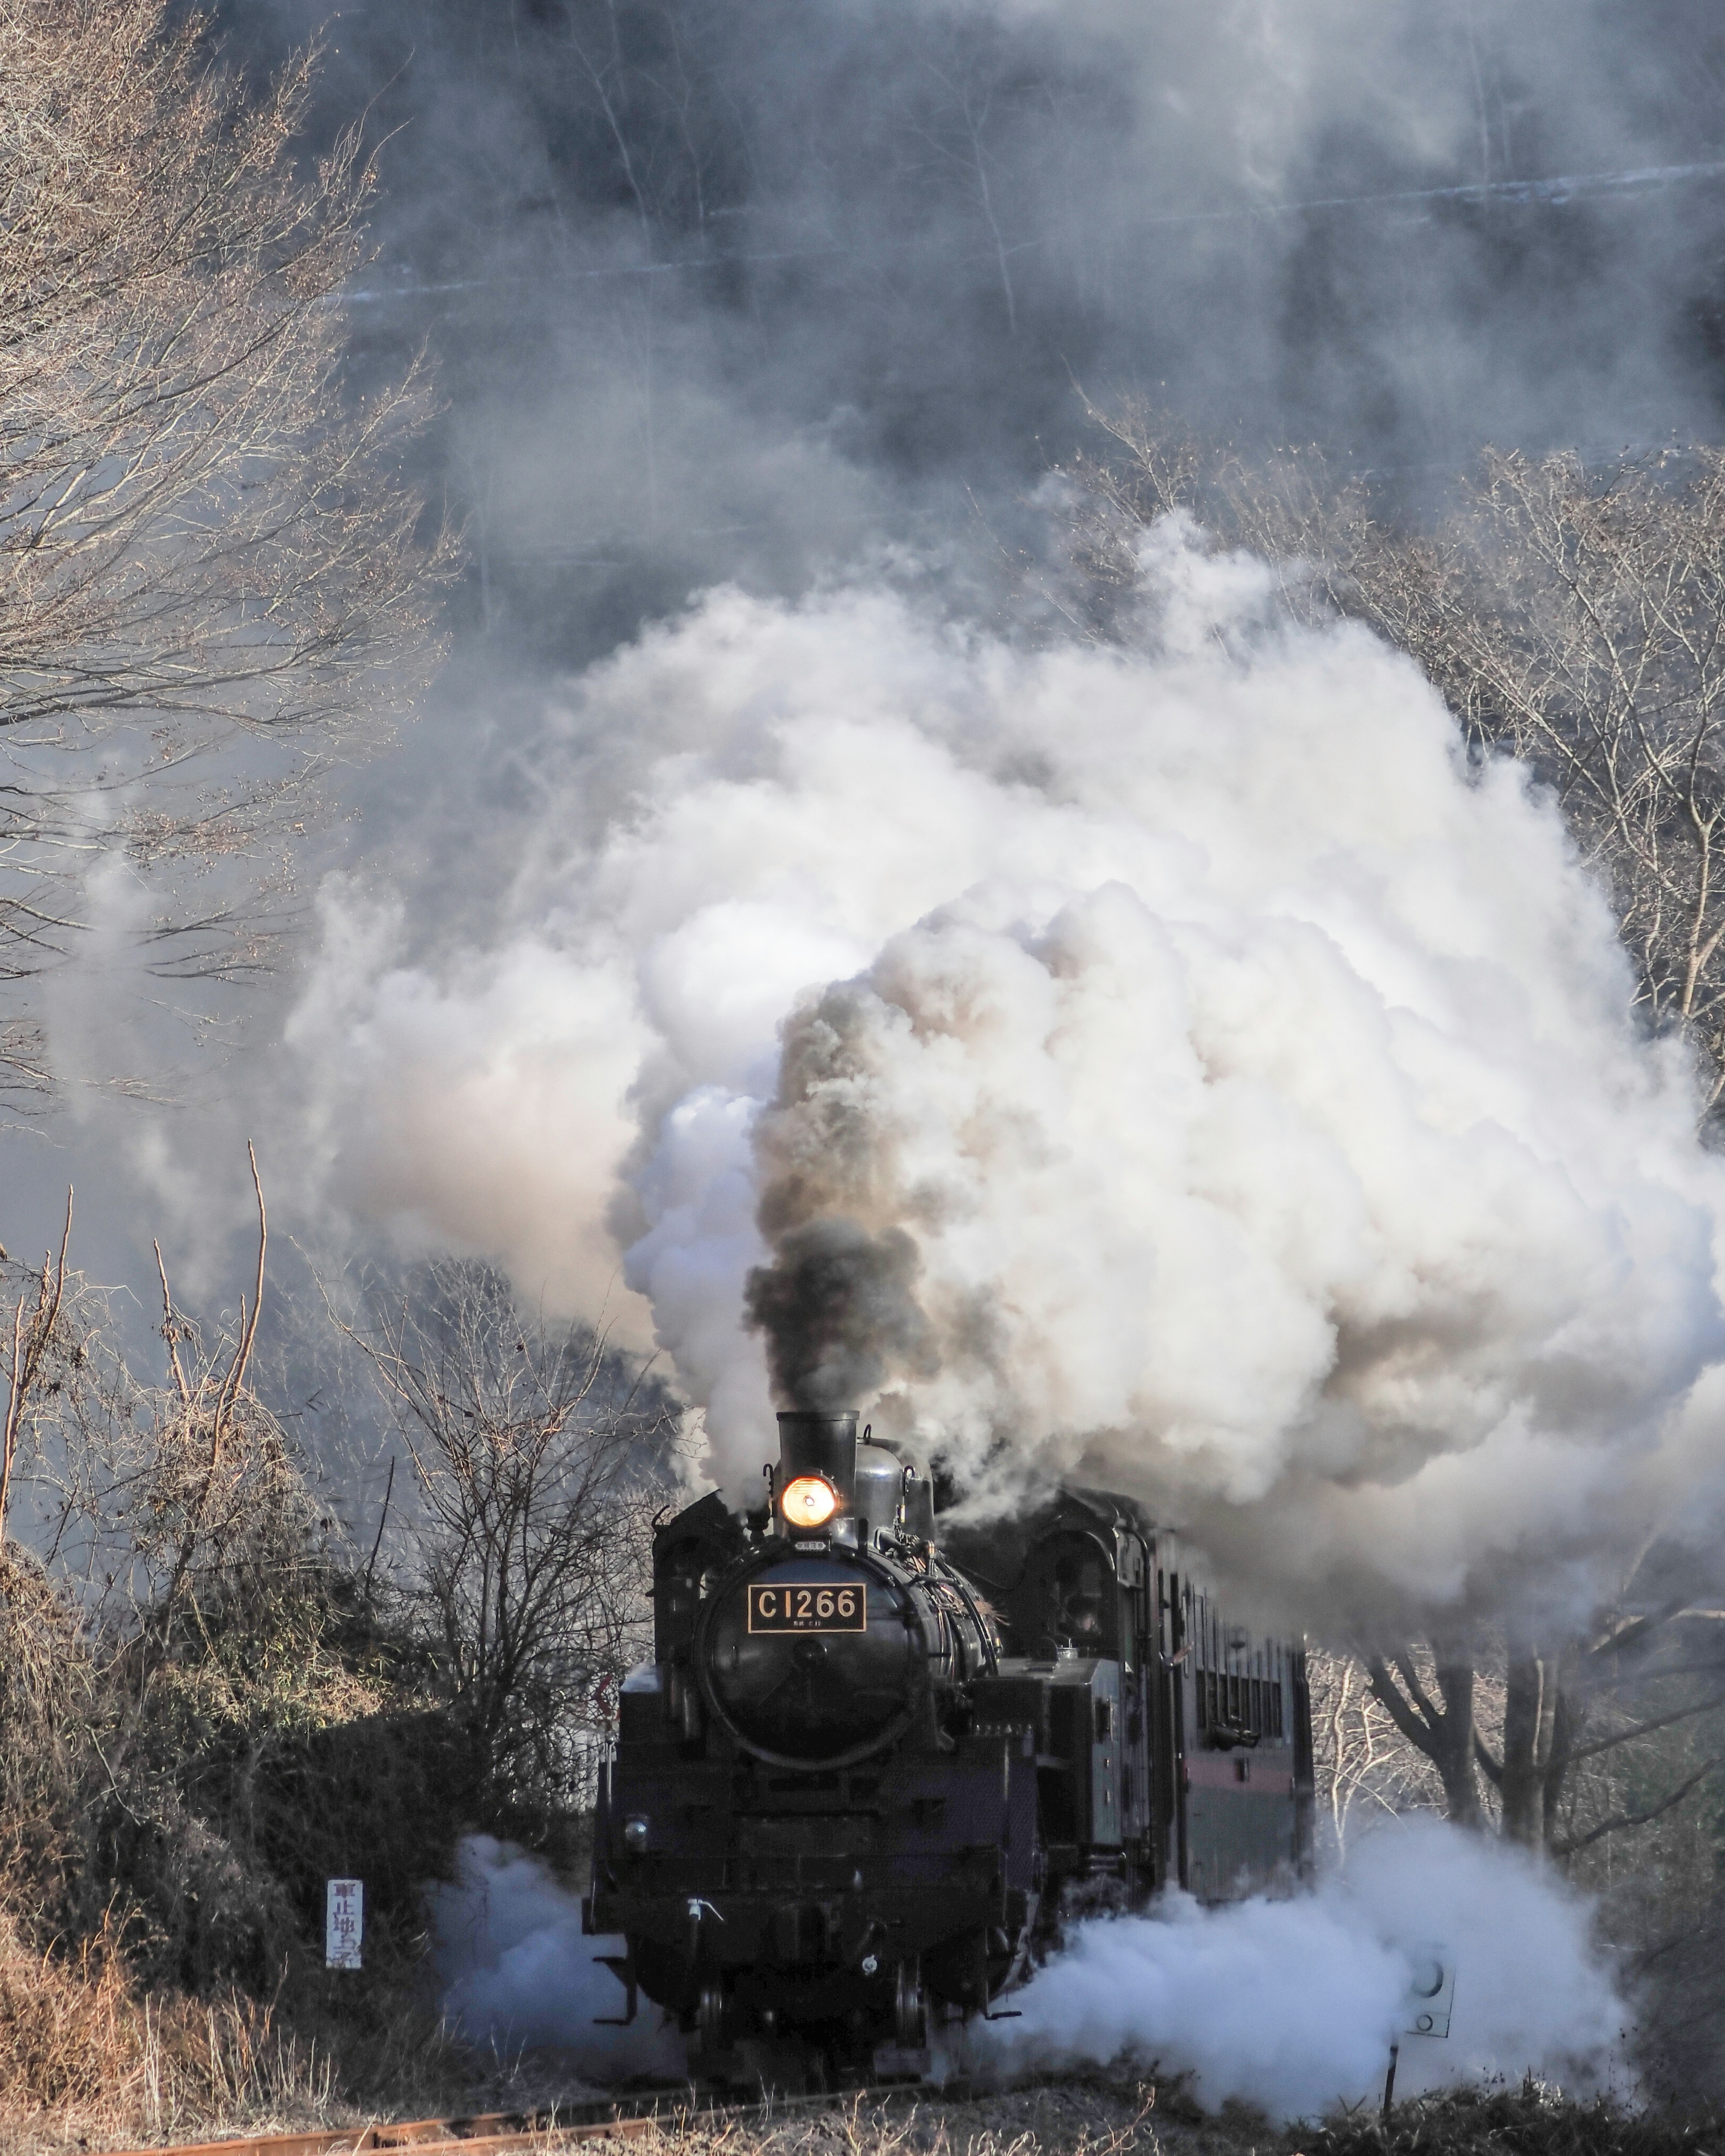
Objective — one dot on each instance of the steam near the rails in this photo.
(1290, 2005)
(515, 1967)
(1174, 1065)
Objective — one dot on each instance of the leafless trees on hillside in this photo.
(1557, 1748)
(1600, 1756)
(205, 1682)
(206, 539)
(1576, 619)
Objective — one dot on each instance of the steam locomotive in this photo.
(871, 1770)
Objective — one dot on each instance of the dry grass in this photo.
(1098, 2115)
(133, 2070)
(1528, 2120)
(89, 2058)
(1093, 2115)
(86, 2057)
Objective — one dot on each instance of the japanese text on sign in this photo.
(344, 1922)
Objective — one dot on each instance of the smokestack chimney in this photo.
(810, 1442)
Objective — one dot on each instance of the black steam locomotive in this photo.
(867, 1778)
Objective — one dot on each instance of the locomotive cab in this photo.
(867, 1770)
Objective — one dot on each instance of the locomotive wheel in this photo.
(910, 2009)
(710, 2017)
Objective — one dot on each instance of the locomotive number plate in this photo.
(810, 1608)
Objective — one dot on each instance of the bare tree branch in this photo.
(1569, 1847)
(206, 538)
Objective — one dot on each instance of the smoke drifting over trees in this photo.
(1572, 617)
(750, 293)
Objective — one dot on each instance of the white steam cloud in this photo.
(1290, 2004)
(516, 1973)
(1293, 2005)
(1255, 1083)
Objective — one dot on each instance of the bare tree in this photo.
(149, 1501)
(1557, 1749)
(536, 1454)
(1364, 1766)
(37, 1338)
(1576, 619)
(1437, 1719)
(208, 553)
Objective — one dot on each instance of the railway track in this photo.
(493, 2133)
(488, 2134)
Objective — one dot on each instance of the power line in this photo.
(1559, 191)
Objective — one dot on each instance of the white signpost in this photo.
(1431, 1996)
(344, 1922)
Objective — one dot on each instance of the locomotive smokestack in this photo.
(811, 1443)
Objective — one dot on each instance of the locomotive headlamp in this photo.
(637, 1830)
(808, 1501)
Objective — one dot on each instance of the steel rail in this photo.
(490, 2133)
(485, 2135)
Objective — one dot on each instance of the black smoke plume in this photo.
(840, 1311)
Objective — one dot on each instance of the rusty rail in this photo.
(489, 2134)
(492, 2133)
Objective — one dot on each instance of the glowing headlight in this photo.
(808, 1501)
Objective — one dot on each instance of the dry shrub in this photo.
(170, 1691)
(210, 1703)
(159, 1976)
(81, 2043)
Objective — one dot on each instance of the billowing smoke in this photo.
(517, 1974)
(1176, 1067)
(1293, 2005)
(838, 1309)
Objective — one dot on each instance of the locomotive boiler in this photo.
(873, 1766)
